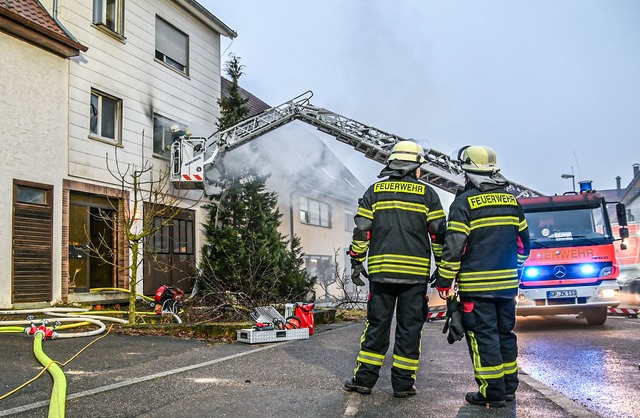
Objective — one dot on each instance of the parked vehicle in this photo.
(629, 260)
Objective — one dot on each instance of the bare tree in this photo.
(142, 189)
(336, 287)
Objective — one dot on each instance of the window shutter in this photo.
(171, 42)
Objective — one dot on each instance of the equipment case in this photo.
(253, 336)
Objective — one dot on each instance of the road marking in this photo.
(353, 405)
(36, 405)
(137, 380)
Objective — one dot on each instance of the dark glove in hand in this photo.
(356, 269)
(454, 321)
(439, 282)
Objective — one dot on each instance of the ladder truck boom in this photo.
(191, 155)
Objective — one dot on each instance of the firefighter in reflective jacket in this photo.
(399, 223)
(486, 245)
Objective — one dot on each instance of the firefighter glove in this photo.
(439, 282)
(356, 270)
(453, 323)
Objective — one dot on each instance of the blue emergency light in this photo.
(587, 269)
(585, 186)
(531, 272)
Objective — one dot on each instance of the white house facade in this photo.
(149, 65)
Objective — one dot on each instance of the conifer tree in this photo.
(233, 108)
(246, 260)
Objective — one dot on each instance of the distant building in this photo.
(629, 195)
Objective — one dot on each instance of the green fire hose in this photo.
(59, 392)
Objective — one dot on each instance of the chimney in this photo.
(636, 170)
(618, 185)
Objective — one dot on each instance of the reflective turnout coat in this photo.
(486, 245)
(399, 222)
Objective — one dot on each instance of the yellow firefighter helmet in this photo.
(478, 159)
(407, 151)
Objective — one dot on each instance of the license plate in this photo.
(552, 294)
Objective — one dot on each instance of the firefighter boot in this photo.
(351, 386)
(476, 398)
(412, 391)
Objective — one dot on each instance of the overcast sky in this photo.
(553, 86)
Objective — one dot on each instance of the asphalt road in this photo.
(141, 376)
(596, 366)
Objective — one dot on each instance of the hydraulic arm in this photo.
(191, 155)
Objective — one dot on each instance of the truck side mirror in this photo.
(624, 232)
(621, 212)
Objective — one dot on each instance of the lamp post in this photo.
(572, 177)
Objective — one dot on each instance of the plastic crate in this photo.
(252, 336)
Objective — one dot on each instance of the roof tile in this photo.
(33, 11)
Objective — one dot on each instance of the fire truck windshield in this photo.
(562, 228)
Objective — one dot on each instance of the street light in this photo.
(572, 177)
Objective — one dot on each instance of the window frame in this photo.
(163, 57)
(101, 19)
(167, 137)
(117, 118)
(168, 238)
(43, 193)
(307, 211)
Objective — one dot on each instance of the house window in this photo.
(159, 241)
(31, 195)
(314, 212)
(319, 266)
(177, 233)
(162, 137)
(110, 14)
(349, 223)
(105, 116)
(182, 236)
(172, 46)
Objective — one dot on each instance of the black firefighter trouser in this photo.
(411, 313)
(488, 325)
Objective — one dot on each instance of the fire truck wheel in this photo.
(596, 316)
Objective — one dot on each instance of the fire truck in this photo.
(572, 268)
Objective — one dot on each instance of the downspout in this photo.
(55, 19)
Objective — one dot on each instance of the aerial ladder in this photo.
(191, 155)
